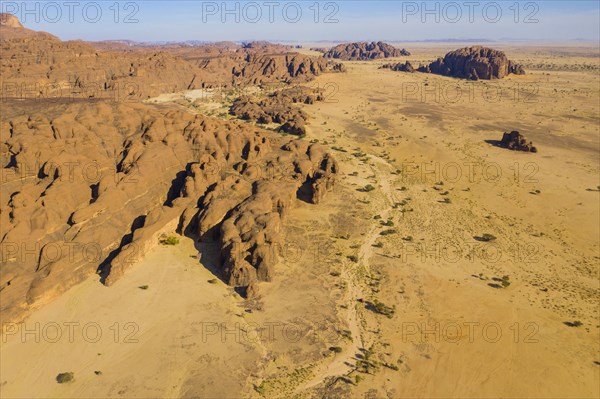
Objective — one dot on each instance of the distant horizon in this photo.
(302, 22)
(340, 41)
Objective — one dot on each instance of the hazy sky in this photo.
(311, 20)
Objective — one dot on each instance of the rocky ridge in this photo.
(364, 51)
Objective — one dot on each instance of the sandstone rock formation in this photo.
(10, 21)
(517, 142)
(39, 65)
(364, 51)
(278, 108)
(474, 63)
(288, 68)
(399, 67)
(90, 184)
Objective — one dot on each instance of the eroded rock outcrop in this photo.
(91, 186)
(36, 65)
(278, 108)
(251, 238)
(474, 63)
(399, 67)
(517, 142)
(364, 51)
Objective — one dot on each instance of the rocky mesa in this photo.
(471, 63)
(364, 51)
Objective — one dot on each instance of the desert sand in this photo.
(439, 265)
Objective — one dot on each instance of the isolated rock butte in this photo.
(364, 51)
(474, 63)
(90, 187)
(517, 142)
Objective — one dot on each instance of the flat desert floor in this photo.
(388, 289)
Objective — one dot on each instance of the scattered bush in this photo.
(213, 281)
(382, 308)
(487, 237)
(367, 188)
(353, 258)
(63, 378)
(335, 349)
(335, 274)
(143, 287)
(388, 232)
(575, 323)
(391, 366)
(170, 240)
(260, 388)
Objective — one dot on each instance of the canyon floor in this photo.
(389, 288)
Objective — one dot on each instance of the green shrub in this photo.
(382, 308)
(170, 240)
(391, 366)
(63, 378)
(488, 237)
(575, 323)
(367, 188)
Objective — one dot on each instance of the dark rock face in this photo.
(399, 67)
(474, 63)
(517, 142)
(364, 51)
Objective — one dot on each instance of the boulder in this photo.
(517, 142)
